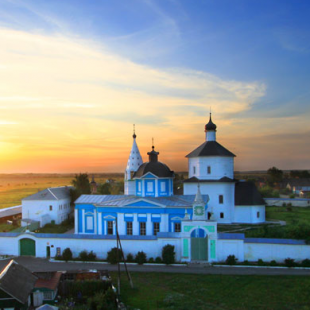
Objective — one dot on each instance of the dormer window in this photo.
(209, 169)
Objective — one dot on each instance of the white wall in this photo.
(35, 209)
(214, 190)
(226, 247)
(100, 247)
(277, 252)
(248, 214)
(221, 166)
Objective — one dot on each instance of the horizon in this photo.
(76, 76)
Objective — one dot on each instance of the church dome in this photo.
(157, 168)
(154, 166)
(210, 125)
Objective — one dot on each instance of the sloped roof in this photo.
(47, 307)
(298, 182)
(246, 194)
(157, 168)
(221, 180)
(50, 284)
(52, 193)
(210, 148)
(122, 200)
(10, 211)
(17, 281)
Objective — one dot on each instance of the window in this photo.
(194, 170)
(221, 215)
(155, 228)
(129, 228)
(257, 214)
(162, 186)
(89, 223)
(51, 208)
(110, 228)
(48, 295)
(209, 215)
(139, 186)
(149, 186)
(209, 170)
(221, 199)
(142, 228)
(177, 227)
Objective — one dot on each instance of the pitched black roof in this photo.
(222, 180)
(157, 168)
(17, 281)
(246, 194)
(210, 148)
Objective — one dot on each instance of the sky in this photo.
(76, 75)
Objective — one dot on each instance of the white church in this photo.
(150, 209)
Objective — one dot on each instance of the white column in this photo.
(100, 232)
(149, 225)
(76, 221)
(156, 187)
(135, 225)
(95, 222)
(164, 223)
(83, 221)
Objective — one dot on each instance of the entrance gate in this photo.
(199, 245)
(27, 247)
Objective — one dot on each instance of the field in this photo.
(218, 292)
(14, 187)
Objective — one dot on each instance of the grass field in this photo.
(217, 292)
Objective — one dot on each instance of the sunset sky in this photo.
(75, 75)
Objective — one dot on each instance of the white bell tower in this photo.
(134, 162)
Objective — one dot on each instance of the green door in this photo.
(27, 247)
(48, 252)
(199, 249)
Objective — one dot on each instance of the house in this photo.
(16, 285)
(46, 206)
(46, 288)
(299, 186)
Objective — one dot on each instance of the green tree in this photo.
(275, 175)
(104, 189)
(81, 186)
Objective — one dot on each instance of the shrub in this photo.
(289, 262)
(140, 258)
(151, 260)
(112, 255)
(305, 263)
(273, 263)
(260, 262)
(231, 260)
(67, 254)
(92, 256)
(130, 258)
(158, 260)
(246, 262)
(168, 254)
(83, 256)
(292, 196)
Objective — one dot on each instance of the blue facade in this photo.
(158, 217)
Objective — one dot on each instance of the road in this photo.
(40, 264)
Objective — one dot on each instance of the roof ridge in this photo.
(52, 193)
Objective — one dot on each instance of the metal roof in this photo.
(10, 211)
(52, 193)
(123, 200)
(210, 148)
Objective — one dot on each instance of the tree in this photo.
(275, 175)
(81, 186)
(104, 189)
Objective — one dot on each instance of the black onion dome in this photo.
(134, 136)
(157, 168)
(210, 125)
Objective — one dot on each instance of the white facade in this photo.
(219, 167)
(249, 214)
(51, 204)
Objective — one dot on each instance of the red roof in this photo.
(50, 284)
